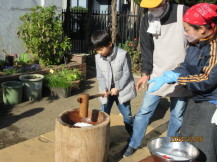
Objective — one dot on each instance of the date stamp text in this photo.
(186, 139)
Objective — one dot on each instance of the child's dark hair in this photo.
(100, 38)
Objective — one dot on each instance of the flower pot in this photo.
(60, 92)
(79, 58)
(12, 92)
(9, 60)
(32, 86)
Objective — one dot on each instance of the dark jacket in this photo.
(199, 70)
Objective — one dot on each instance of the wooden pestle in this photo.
(84, 102)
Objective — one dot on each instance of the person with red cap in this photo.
(199, 74)
(163, 46)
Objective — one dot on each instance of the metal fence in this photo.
(76, 27)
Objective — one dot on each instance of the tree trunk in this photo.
(88, 27)
(114, 20)
(66, 23)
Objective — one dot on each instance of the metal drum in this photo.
(167, 151)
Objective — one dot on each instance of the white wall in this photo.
(11, 11)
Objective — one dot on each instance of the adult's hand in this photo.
(142, 82)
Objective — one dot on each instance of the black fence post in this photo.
(66, 19)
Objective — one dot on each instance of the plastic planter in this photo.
(12, 92)
(32, 86)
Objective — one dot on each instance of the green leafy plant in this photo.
(42, 34)
(72, 75)
(10, 70)
(63, 78)
(135, 55)
(23, 59)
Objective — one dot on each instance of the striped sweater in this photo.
(199, 70)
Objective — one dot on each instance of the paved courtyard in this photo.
(27, 129)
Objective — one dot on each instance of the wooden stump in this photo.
(85, 144)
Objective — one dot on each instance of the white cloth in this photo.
(214, 118)
(82, 124)
(154, 22)
(154, 26)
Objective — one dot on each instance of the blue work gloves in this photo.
(167, 77)
(173, 76)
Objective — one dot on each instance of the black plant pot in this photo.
(9, 60)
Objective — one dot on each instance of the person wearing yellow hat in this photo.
(163, 46)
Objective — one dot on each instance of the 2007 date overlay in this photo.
(186, 139)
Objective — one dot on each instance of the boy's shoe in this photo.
(129, 151)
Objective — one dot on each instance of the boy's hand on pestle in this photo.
(114, 91)
(105, 94)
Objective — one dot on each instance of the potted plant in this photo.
(42, 34)
(12, 92)
(74, 76)
(61, 82)
(32, 86)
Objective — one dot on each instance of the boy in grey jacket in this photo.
(113, 67)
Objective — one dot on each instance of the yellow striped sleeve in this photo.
(206, 70)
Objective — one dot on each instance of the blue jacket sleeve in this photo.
(201, 82)
(204, 81)
(182, 68)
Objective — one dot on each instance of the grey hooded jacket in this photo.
(117, 66)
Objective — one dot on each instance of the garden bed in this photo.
(44, 71)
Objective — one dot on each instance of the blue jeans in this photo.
(125, 110)
(141, 121)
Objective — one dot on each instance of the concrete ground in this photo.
(27, 129)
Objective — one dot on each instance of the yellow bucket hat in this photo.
(150, 3)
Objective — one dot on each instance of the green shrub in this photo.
(10, 70)
(71, 75)
(23, 59)
(63, 78)
(42, 34)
